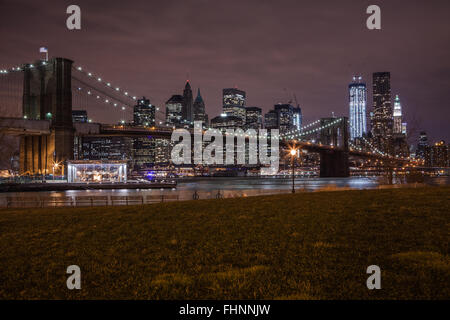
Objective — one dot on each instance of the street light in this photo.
(55, 166)
(293, 154)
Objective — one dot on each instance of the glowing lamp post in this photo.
(293, 154)
(55, 167)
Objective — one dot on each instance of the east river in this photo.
(207, 188)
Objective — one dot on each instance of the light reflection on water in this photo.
(208, 188)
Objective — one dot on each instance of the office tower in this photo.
(437, 155)
(253, 118)
(297, 118)
(188, 102)
(234, 103)
(382, 116)
(144, 113)
(174, 111)
(422, 145)
(199, 109)
(397, 116)
(285, 117)
(79, 116)
(357, 104)
(271, 120)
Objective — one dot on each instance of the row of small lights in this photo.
(108, 101)
(317, 129)
(16, 69)
(305, 127)
(107, 84)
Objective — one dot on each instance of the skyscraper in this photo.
(199, 109)
(234, 103)
(397, 116)
(188, 102)
(297, 118)
(174, 111)
(285, 117)
(357, 104)
(382, 116)
(144, 113)
(422, 145)
(271, 120)
(253, 118)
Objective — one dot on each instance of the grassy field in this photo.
(302, 246)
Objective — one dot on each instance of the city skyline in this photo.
(315, 67)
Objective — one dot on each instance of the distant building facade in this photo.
(357, 108)
(227, 122)
(79, 116)
(234, 103)
(382, 115)
(174, 111)
(422, 145)
(144, 113)
(200, 110)
(437, 155)
(298, 120)
(253, 118)
(188, 105)
(271, 120)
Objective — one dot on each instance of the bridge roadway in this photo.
(24, 127)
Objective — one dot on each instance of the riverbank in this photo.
(301, 246)
(63, 186)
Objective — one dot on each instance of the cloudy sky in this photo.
(271, 49)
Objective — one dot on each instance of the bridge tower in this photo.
(47, 95)
(334, 162)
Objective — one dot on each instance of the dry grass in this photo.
(303, 246)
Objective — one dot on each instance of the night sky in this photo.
(270, 49)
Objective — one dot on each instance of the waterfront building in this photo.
(357, 108)
(83, 171)
(79, 116)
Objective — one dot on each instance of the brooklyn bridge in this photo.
(50, 90)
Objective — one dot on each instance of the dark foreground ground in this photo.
(303, 246)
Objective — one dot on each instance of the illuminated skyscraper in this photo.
(357, 102)
(174, 111)
(285, 117)
(253, 118)
(382, 116)
(144, 113)
(234, 103)
(297, 118)
(397, 115)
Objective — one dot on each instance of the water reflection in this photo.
(211, 188)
